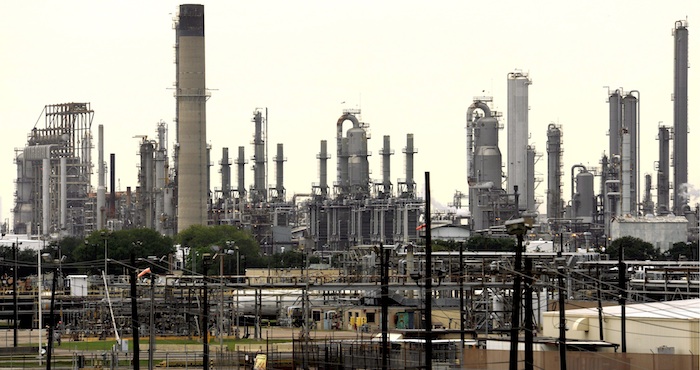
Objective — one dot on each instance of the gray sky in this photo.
(411, 66)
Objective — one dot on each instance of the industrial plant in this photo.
(365, 224)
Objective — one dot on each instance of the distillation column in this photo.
(554, 165)
(100, 177)
(630, 122)
(191, 97)
(518, 168)
(258, 193)
(409, 150)
(662, 177)
(680, 117)
(240, 184)
(225, 175)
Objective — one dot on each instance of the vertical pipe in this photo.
(134, 312)
(205, 313)
(225, 175)
(100, 177)
(428, 279)
(562, 301)
(279, 167)
(323, 168)
(384, 265)
(515, 317)
(15, 309)
(259, 158)
(386, 165)
(64, 194)
(662, 179)
(409, 151)
(45, 175)
(529, 335)
(152, 331)
(621, 276)
(49, 344)
(112, 186)
(240, 162)
(462, 315)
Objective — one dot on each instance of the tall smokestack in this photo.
(323, 168)
(240, 162)
(279, 178)
(225, 174)
(191, 95)
(386, 154)
(680, 117)
(409, 150)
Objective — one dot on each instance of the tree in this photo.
(200, 239)
(634, 249)
(682, 250)
(119, 244)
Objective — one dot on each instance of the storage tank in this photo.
(487, 159)
(584, 199)
(358, 165)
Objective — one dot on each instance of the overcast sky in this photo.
(411, 66)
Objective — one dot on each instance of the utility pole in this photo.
(206, 260)
(529, 327)
(15, 246)
(428, 279)
(562, 311)
(621, 277)
(462, 315)
(134, 312)
(384, 266)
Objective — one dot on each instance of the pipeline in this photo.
(478, 104)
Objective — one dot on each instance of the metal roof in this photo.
(688, 309)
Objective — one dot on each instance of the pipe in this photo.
(342, 181)
(46, 173)
(100, 177)
(478, 104)
(64, 194)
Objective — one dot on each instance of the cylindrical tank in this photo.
(323, 168)
(409, 151)
(553, 171)
(259, 184)
(101, 191)
(225, 174)
(241, 172)
(358, 166)
(614, 102)
(662, 177)
(584, 204)
(45, 176)
(191, 110)
(631, 123)
(279, 160)
(386, 163)
(64, 193)
(487, 160)
(518, 133)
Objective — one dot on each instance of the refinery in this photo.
(372, 241)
